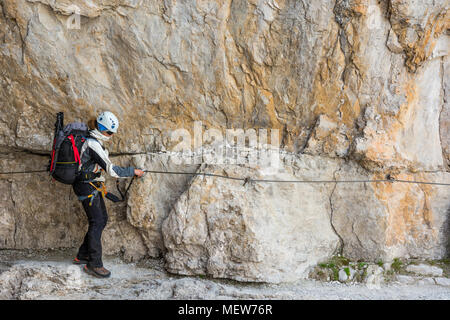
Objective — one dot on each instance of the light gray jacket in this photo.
(94, 157)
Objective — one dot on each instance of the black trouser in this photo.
(97, 218)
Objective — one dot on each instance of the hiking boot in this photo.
(97, 272)
(80, 261)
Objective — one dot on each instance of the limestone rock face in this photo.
(389, 220)
(358, 89)
(256, 232)
(31, 214)
(152, 198)
(275, 231)
(368, 68)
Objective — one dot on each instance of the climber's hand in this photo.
(138, 172)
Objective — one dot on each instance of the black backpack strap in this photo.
(87, 176)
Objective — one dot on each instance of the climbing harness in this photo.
(105, 194)
(96, 192)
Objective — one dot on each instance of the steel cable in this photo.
(248, 179)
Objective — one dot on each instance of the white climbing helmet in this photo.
(107, 121)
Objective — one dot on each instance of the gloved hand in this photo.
(138, 172)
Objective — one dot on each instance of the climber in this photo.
(90, 189)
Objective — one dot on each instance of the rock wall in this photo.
(357, 89)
